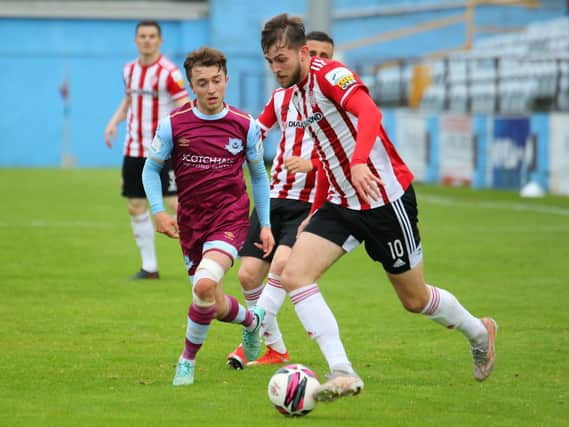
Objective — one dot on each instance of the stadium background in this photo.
(81, 345)
(61, 60)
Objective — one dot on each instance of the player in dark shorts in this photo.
(292, 193)
(154, 86)
(369, 199)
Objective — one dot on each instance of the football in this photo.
(291, 390)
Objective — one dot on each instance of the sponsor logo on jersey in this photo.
(294, 124)
(234, 146)
(341, 77)
(142, 92)
(229, 235)
(316, 117)
(207, 162)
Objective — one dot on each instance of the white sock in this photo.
(445, 309)
(320, 323)
(271, 300)
(252, 296)
(143, 230)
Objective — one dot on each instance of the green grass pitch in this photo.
(81, 345)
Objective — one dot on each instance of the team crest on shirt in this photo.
(341, 77)
(234, 146)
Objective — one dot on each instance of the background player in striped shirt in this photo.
(209, 142)
(292, 192)
(370, 199)
(154, 86)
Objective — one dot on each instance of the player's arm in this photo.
(158, 152)
(268, 117)
(320, 196)
(361, 105)
(119, 116)
(298, 164)
(260, 184)
(345, 88)
(175, 84)
(182, 101)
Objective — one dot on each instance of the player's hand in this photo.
(365, 183)
(167, 225)
(296, 164)
(302, 225)
(110, 134)
(267, 241)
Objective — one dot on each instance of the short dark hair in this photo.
(207, 57)
(285, 29)
(149, 23)
(320, 36)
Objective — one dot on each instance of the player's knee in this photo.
(247, 278)
(203, 292)
(208, 274)
(278, 265)
(291, 279)
(413, 304)
(137, 206)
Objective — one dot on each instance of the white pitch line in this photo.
(40, 223)
(500, 229)
(447, 201)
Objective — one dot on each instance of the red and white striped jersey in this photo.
(153, 89)
(320, 98)
(294, 142)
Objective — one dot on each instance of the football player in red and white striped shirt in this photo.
(154, 86)
(291, 196)
(370, 199)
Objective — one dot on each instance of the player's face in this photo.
(287, 64)
(148, 40)
(208, 84)
(321, 49)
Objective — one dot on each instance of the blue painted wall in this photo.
(90, 54)
(41, 52)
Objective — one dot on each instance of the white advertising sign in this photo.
(457, 151)
(559, 154)
(411, 142)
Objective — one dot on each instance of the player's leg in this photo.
(141, 221)
(444, 308)
(288, 214)
(229, 310)
(251, 274)
(399, 250)
(205, 278)
(272, 299)
(328, 236)
(143, 230)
